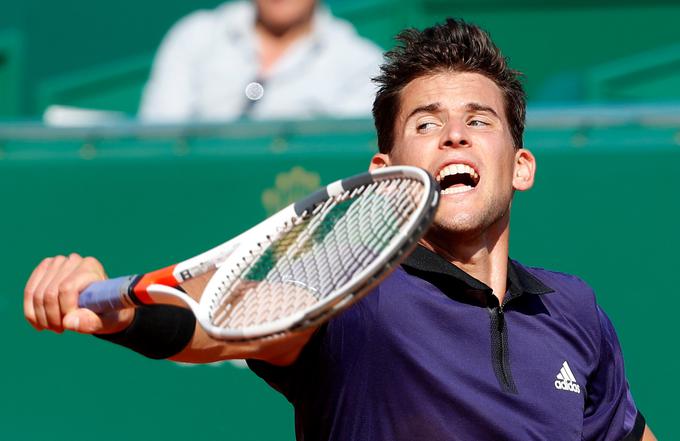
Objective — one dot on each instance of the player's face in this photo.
(282, 14)
(453, 125)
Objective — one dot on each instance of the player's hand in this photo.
(51, 297)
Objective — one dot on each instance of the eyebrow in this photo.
(428, 108)
(470, 107)
(476, 107)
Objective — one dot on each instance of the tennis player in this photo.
(460, 342)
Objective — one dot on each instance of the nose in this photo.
(455, 135)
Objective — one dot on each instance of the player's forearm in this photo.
(203, 349)
(163, 331)
(280, 351)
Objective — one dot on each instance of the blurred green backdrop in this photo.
(97, 54)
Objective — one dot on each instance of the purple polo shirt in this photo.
(431, 355)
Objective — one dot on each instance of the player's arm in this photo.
(51, 302)
(609, 402)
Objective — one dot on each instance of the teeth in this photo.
(454, 169)
(456, 190)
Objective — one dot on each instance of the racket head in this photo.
(318, 256)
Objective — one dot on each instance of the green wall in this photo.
(605, 207)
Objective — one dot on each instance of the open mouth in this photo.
(457, 178)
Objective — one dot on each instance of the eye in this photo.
(426, 126)
(478, 123)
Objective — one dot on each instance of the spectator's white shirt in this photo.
(208, 58)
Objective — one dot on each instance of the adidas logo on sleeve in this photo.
(566, 381)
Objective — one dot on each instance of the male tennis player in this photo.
(459, 343)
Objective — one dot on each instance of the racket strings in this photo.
(345, 261)
(296, 278)
(317, 255)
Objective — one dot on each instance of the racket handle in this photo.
(107, 295)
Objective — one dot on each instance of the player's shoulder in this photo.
(568, 290)
(550, 277)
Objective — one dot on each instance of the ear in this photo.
(379, 160)
(525, 170)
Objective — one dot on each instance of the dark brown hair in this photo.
(454, 46)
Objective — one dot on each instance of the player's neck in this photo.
(483, 256)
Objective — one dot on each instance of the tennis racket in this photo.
(296, 269)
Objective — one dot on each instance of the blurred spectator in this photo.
(309, 64)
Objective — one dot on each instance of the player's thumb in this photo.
(83, 321)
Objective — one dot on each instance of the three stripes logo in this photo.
(566, 381)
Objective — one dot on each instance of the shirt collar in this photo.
(455, 282)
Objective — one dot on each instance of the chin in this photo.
(454, 228)
(456, 221)
(468, 224)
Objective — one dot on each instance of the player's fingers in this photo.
(54, 292)
(88, 271)
(83, 321)
(41, 290)
(29, 291)
(85, 271)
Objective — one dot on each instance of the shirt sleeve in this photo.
(324, 363)
(287, 379)
(610, 413)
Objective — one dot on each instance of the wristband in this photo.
(157, 331)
